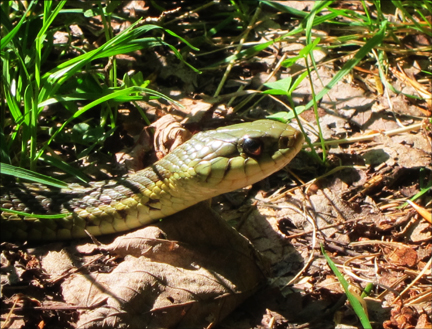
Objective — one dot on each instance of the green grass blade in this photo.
(26, 214)
(398, 4)
(10, 170)
(63, 166)
(9, 36)
(12, 104)
(349, 65)
(111, 96)
(356, 305)
(125, 42)
(4, 150)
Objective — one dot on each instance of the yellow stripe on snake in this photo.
(210, 163)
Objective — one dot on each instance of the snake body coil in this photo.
(209, 164)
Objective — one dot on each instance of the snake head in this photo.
(232, 157)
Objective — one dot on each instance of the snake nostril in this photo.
(284, 142)
(297, 138)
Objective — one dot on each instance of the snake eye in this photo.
(252, 147)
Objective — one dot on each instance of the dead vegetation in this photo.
(361, 188)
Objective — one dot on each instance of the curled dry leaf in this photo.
(168, 135)
(188, 275)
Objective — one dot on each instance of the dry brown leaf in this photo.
(196, 108)
(420, 231)
(165, 283)
(261, 227)
(394, 150)
(168, 135)
(403, 256)
(423, 322)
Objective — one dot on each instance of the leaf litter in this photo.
(198, 277)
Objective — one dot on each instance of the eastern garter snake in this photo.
(209, 164)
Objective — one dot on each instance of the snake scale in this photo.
(210, 163)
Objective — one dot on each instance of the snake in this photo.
(211, 163)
